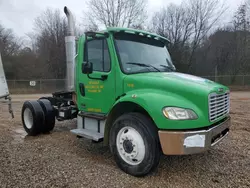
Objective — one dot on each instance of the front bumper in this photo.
(191, 142)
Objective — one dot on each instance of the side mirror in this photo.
(87, 68)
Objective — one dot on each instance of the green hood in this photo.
(181, 90)
(173, 82)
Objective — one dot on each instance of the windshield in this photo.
(142, 54)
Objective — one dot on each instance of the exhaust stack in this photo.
(70, 51)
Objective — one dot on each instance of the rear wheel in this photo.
(32, 117)
(135, 144)
(49, 115)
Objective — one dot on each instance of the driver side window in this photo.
(98, 54)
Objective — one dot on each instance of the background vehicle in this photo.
(4, 90)
(123, 89)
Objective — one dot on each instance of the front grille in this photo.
(219, 105)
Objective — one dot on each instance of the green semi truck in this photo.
(124, 91)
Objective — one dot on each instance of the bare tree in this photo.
(242, 41)
(206, 13)
(9, 43)
(216, 53)
(228, 48)
(114, 13)
(175, 23)
(247, 3)
(50, 30)
(187, 26)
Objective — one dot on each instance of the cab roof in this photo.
(136, 32)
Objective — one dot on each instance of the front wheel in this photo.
(135, 145)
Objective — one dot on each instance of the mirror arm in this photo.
(86, 48)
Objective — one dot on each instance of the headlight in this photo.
(175, 113)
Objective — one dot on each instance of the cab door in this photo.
(97, 90)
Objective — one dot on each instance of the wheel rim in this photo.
(130, 145)
(28, 118)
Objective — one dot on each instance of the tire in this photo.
(142, 131)
(49, 115)
(32, 117)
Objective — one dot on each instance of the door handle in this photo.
(104, 77)
(82, 89)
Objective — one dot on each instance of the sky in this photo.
(19, 15)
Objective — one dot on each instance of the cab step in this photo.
(89, 134)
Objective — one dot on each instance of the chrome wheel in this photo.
(130, 145)
(28, 118)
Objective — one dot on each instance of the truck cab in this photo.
(128, 94)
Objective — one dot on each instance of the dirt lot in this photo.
(60, 159)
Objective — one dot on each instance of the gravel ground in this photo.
(60, 159)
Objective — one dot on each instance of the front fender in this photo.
(153, 101)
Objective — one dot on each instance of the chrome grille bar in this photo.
(219, 105)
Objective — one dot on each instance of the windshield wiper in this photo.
(143, 65)
(169, 68)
